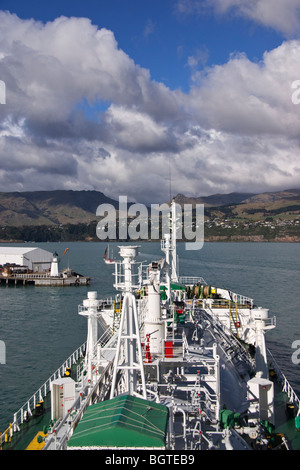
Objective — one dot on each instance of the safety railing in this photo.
(191, 280)
(64, 429)
(27, 409)
(286, 386)
(241, 299)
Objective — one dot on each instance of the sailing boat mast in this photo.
(108, 258)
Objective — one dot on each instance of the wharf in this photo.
(45, 279)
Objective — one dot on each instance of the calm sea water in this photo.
(41, 326)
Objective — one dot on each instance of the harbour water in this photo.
(40, 326)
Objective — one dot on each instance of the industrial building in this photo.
(35, 259)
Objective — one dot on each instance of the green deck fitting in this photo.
(122, 422)
(174, 286)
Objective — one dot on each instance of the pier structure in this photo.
(42, 279)
(25, 266)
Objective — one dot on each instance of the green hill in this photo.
(71, 215)
(50, 207)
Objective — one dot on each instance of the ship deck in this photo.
(205, 373)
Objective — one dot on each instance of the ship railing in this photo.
(191, 280)
(228, 339)
(227, 304)
(65, 428)
(106, 342)
(286, 386)
(238, 299)
(27, 409)
(120, 277)
(241, 299)
(103, 304)
(143, 274)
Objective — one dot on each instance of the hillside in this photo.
(50, 207)
(215, 200)
(71, 215)
(283, 205)
(249, 207)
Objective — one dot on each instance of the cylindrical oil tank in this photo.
(153, 325)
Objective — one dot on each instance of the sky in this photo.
(150, 99)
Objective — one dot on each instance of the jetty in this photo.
(22, 274)
(41, 279)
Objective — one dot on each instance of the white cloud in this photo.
(200, 56)
(137, 131)
(280, 15)
(249, 104)
(246, 97)
(149, 28)
(55, 65)
(236, 130)
(283, 15)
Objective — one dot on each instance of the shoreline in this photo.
(210, 239)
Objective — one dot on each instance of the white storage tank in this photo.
(153, 325)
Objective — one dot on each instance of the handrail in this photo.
(228, 337)
(191, 280)
(286, 387)
(75, 414)
(241, 299)
(27, 408)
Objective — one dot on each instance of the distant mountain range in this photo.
(62, 207)
(215, 200)
(50, 207)
(245, 206)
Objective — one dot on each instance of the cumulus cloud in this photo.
(282, 16)
(67, 59)
(235, 130)
(246, 97)
(249, 104)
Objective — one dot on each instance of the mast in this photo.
(128, 358)
(174, 275)
(166, 248)
(89, 309)
(169, 247)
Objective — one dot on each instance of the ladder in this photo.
(117, 315)
(234, 319)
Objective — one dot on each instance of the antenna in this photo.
(170, 178)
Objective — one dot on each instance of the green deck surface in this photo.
(29, 429)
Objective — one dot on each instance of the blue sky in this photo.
(158, 35)
(106, 97)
